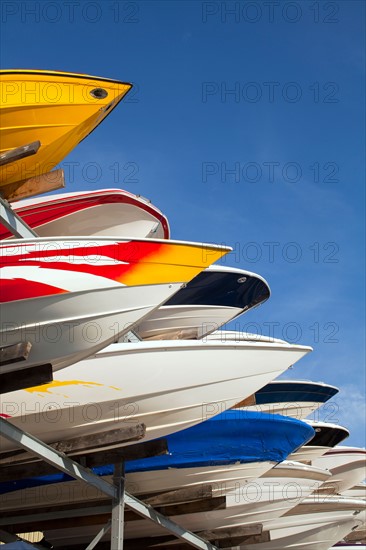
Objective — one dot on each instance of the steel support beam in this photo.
(75, 470)
(99, 536)
(148, 512)
(118, 506)
(14, 223)
(59, 460)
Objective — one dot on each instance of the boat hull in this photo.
(108, 212)
(75, 296)
(326, 437)
(211, 299)
(308, 453)
(222, 479)
(227, 452)
(297, 399)
(321, 537)
(57, 109)
(76, 325)
(184, 322)
(175, 385)
(358, 491)
(316, 523)
(347, 466)
(261, 501)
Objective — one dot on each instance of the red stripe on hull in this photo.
(44, 213)
(130, 253)
(22, 289)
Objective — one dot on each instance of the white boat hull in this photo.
(261, 501)
(292, 398)
(69, 298)
(185, 322)
(321, 537)
(308, 453)
(347, 466)
(106, 212)
(298, 409)
(210, 300)
(105, 220)
(168, 386)
(223, 479)
(73, 326)
(316, 523)
(327, 436)
(357, 491)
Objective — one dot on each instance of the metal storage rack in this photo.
(115, 491)
(56, 456)
(93, 450)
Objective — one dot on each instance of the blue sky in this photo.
(246, 127)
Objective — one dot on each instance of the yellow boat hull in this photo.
(57, 109)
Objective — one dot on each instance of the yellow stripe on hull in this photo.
(58, 109)
(173, 263)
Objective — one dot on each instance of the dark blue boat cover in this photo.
(292, 392)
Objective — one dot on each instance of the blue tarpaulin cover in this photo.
(231, 437)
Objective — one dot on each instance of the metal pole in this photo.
(99, 536)
(75, 470)
(14, 223)
(59, 460)
(118, 506)
(148, 512)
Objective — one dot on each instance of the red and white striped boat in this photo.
(73, 296)
(105, 212)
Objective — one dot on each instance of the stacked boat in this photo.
(124, 325)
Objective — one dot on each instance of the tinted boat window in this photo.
(221, 289)
(327, 437)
